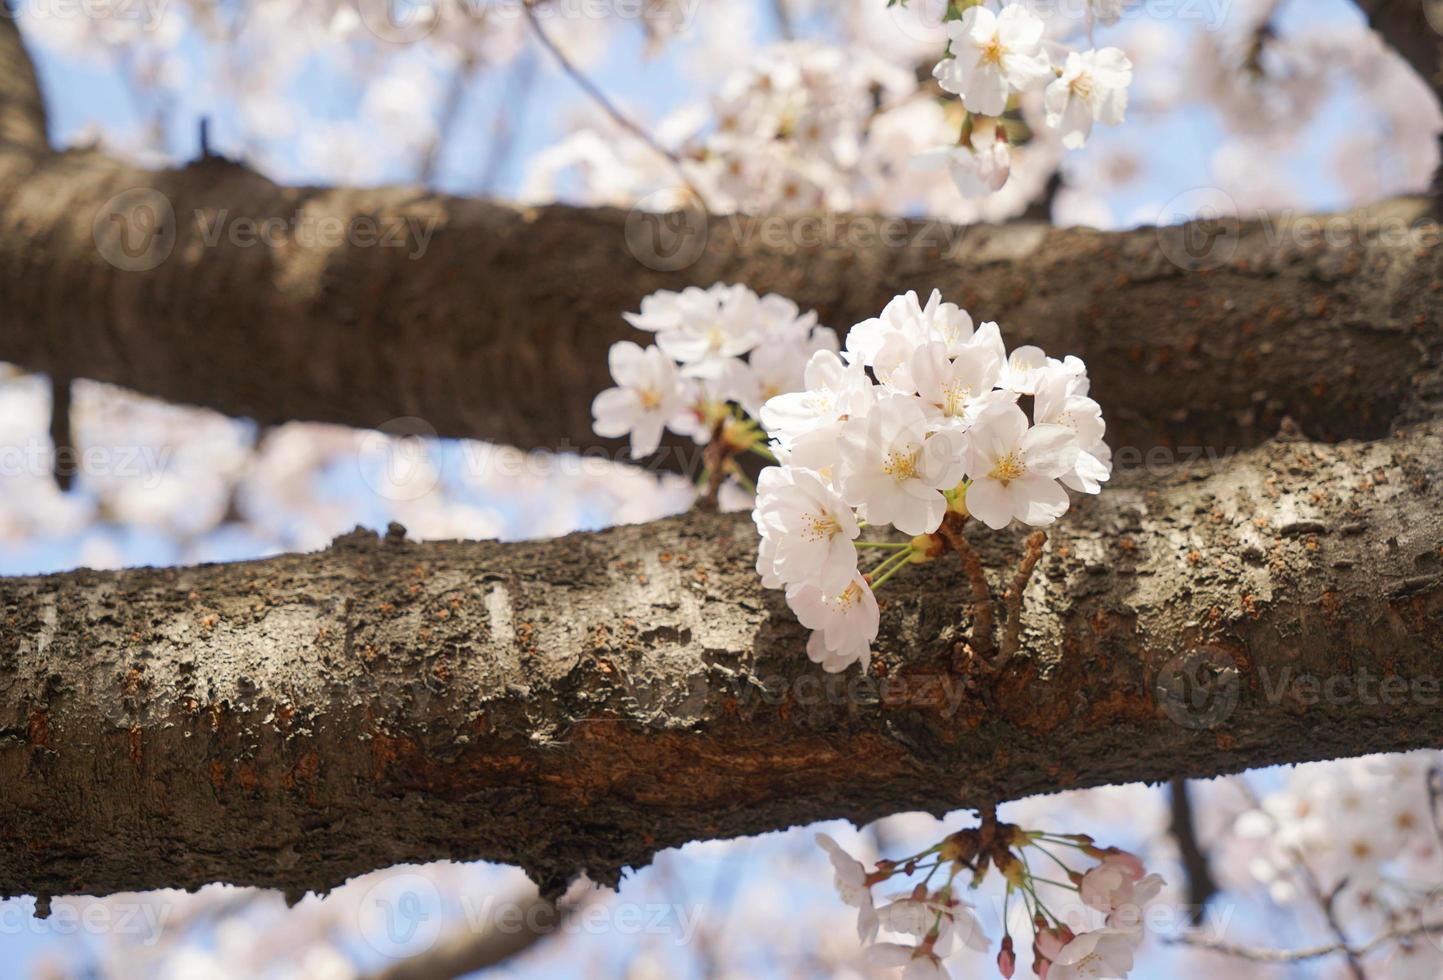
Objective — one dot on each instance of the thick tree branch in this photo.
(211, 285)
(582, 702)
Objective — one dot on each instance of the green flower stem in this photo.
(887, 564)
(897, 566)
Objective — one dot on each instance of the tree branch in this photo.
(467, 950)
(1257, 954)
(580, 703)
(1201, 886)
(211, 285)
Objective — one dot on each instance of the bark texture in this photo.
(500, 330)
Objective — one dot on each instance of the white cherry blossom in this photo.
(647, 396)
(850, 878)
(885, 343)
(1059, 401)
(993, 56)
(834, 390)
(980, 164)
(1101, 954)
(917, 916)
(955, 390)
(917, 962)
(1115, 884)
(843, 623)
(1106, 12)
(1014, 469)
(1023, 370)
(893, 472)
(1092, 88)
(702, 328)
(813, 529)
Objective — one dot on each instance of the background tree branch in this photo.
(496, 326)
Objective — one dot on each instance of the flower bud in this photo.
(1006, 958)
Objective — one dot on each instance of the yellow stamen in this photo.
(1008, 468)
(954, 399)
(819, 526)
(901, 466)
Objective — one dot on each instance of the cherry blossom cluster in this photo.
(802, 125)
(719, 353)
(920, 419)
(995, 58)
(1363, 831)
(1094, 936)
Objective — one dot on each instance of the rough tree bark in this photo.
(580, 703)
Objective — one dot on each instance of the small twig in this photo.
(450, 110)
(599, 97)
(62, 434)
(1012, 638)
(1200, 884)
(1434, 781)
(784, 20)
(468, 950)
(519, 84)
(715, 457)
(982, 642)
(1261, 955)
(1325, 901)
